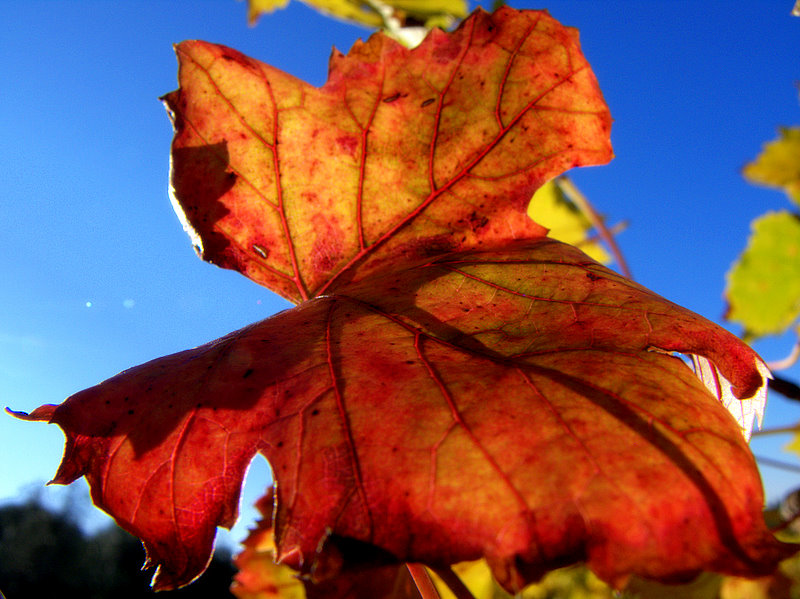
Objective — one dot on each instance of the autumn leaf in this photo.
(763, 290)
(402, 153)
(454, 385)
(530, 380)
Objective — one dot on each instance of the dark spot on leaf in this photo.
(279, 444)
(428, 102)
(247, 373)
(130, 412)
(592, 277)
(314, 412)
(392, 98)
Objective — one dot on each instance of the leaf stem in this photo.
(423, 581)
(776, 431)
(582, 202)
(454, 583)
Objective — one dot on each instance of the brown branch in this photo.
(779, 430)
(785, 387)
(777, 464)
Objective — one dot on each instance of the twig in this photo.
(776, 431)
(423, 581)
(785, 387)
(454, 583)
(582, 202)
(778, 464)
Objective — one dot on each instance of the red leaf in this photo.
(402, 153)
(515, 404)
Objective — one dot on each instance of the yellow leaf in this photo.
(778, 165)
(793, 445)
(477, 577)
(550, 208)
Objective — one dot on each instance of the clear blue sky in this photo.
(98, 276)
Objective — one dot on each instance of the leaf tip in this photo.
(41, 414)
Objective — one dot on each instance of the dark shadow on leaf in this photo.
(203, 174)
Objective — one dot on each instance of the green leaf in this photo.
(763, 290)
(778, 165)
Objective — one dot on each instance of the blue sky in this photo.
(98, 275)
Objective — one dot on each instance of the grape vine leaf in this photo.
(763, 290)
(454, 385)
(529, 379)
(400, 154)
(430, 13)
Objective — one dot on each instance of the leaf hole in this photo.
(261, 251)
